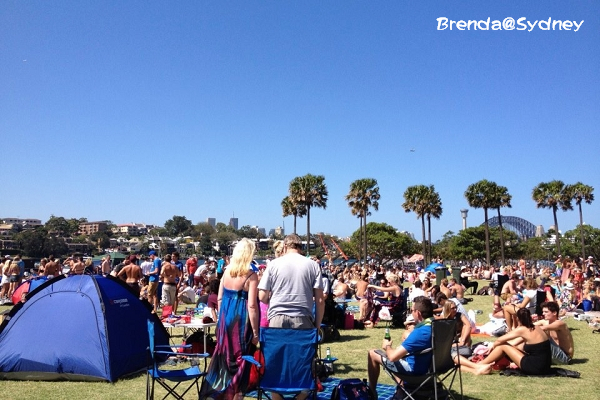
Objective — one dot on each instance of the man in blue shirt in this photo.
(153, 279)
(403, 359)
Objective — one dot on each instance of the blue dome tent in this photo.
(81, 327)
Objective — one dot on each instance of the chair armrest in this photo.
(252, 360)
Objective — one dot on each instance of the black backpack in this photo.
(352, 389)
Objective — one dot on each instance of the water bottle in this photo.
(387, 335)
(328, 354)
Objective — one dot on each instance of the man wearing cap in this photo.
(291, 286)
(153, 276)
(465, 275)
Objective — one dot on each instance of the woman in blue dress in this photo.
(237, 327)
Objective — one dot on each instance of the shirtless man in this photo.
(169, 275)
(561, 339)
(132, 273)
(459, 291)
(77, 267)
(106, 265)
(509, 288)
(51, 269)
(341, 289)
(445, 289)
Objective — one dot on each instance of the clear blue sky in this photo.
(141, 110)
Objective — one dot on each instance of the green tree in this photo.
(363, 194)
(553, 195)
(309, 191)
(290, 208)
(58, 226)
(581, 193)
(32, 242)
(385, 242)
(178, 226)
(416, 199)
(482, 195)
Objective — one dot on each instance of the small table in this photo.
(195, 326)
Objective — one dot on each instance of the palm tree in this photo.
(434, 209)
(552, 195)
(415, 200)
(581, 193)
(309, 191)
(289, 208)
(501, 198)
(363, 194)
(481, 195)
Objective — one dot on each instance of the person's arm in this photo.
(555, 326)
(319, 306)
(391, 353)
(386, 289)
(253, 310)
(465, 332)
(515, 333)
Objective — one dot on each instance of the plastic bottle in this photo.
(328, 354)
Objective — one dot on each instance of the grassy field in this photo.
(351, 351)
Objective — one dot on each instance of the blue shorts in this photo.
(395, 367)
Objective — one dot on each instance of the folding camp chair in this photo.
(289, 356)
(433, 383)
(170, 379)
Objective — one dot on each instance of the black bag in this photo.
(352, 389)
(196, 340)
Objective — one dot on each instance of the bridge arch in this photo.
(520, 226)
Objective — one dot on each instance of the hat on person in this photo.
(590, 258)
(152, 253)
(409, 320)
(463, 267)
(568, 286)
(7, 257)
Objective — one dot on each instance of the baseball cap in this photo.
(409, 320)
(152, 253)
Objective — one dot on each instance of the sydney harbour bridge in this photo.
(520, 226)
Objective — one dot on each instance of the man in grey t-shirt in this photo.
(292, 285)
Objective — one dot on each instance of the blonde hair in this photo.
(392, 278)
(278, 248)
(447, 308)
(241, 258)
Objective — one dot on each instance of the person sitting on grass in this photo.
(561, 339)
(534, 357)
(403, 359)
(528, 302)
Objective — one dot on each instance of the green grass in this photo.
(352, 353)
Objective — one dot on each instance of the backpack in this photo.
(484, 291)
(352, 389)
(196, 340)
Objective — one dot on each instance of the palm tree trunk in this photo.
(365, 237)
(501, 236)
(429, 234)
(295, 216)
(424, 243)
(360, 239)
(581, 232)
(307, 231)
(556, 229)
(487, 237)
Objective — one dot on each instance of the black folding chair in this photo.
(434, 384)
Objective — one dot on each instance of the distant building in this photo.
(262, 231)
(131, 229)
(25, 223)
(234, 223)
(280, 231)
(539, 231)
(89, 228)
(211, 221)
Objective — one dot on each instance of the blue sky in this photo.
(141, 110)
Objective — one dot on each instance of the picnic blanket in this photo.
(384, 392)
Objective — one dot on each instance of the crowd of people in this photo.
(292, 290)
